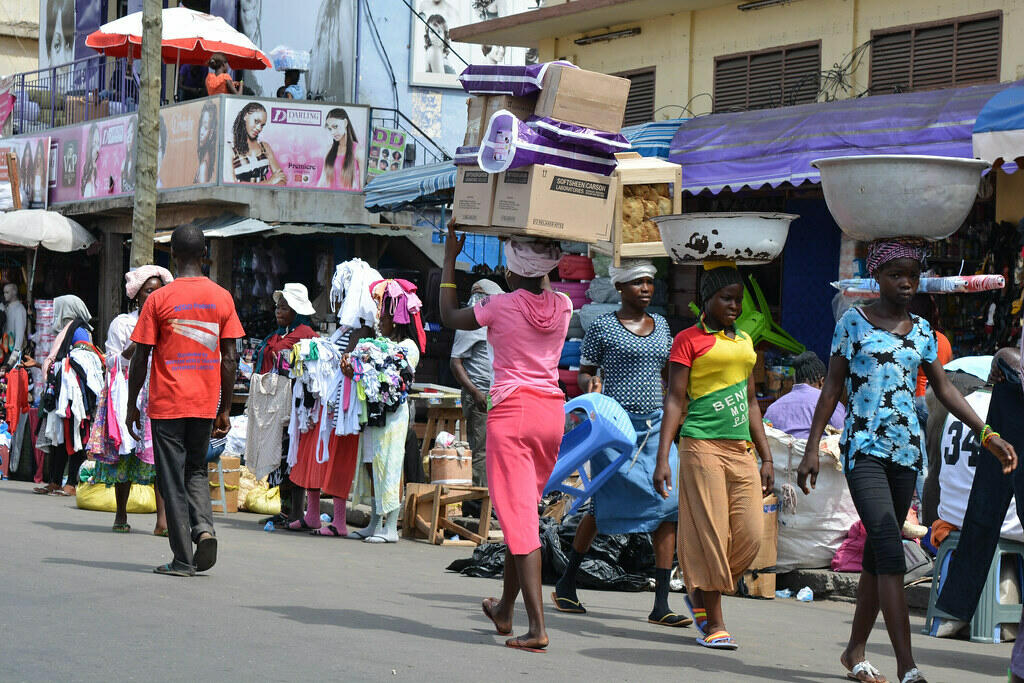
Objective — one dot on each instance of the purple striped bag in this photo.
(509, 143)
(499, 79)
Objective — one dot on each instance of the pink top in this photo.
(527, 332)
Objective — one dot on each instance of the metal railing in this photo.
(82, 90)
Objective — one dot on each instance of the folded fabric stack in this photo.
(383, 378)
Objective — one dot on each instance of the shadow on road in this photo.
(723, 663)
(980, 662)
(72, 526)
(93, 564)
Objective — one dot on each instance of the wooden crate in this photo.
(634, 170)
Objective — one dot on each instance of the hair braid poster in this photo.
(300, 144)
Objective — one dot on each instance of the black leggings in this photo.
(882, 491)
(59, 458)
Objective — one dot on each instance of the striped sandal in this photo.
(719, 640)
(700, 616)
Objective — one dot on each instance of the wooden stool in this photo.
(426, 513)
(439, 419)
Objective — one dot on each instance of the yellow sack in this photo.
(100, 497)
(264, 502)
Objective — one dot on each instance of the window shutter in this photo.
(640, 103)
(774, 78)
(957, 52)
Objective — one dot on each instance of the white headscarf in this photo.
(631, 269)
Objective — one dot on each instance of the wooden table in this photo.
(426, 513)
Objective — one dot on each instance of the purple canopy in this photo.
(775, 146)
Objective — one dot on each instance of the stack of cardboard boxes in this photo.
(543, 200)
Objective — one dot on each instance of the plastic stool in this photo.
(607, 427)
(990, 614)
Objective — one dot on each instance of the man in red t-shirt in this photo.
(189, 327)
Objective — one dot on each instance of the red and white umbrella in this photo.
(189, 37)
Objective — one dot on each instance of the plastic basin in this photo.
(746, 238)
(880, 196)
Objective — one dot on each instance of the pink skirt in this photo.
(524, 433)
(307, 473)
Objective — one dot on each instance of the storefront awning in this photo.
(226, 225)
(752, 149)
(418, 186)
(653, 139)
(999, 130)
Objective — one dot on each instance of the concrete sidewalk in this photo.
(78, 602)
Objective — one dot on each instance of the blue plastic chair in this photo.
(607, 426)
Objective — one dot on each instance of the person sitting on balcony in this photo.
(219, 82)
(292, 89)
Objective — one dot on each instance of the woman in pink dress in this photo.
(341, 165)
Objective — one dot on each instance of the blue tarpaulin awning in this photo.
(752, 149)
(653, 139)
(999, 130)
(415, 187)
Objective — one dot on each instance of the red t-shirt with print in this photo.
(184, 322)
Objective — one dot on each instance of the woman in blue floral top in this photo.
(876, 352)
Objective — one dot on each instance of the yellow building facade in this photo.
(19, 36)
(683, 42)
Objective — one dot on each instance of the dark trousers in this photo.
(986, 508)
(59, 459)
(882, 491)
(179, 449)
(475, 416)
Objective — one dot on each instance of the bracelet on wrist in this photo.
(450, 285)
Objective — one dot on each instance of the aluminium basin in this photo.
(744, 237)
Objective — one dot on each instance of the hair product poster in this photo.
(33, 157)
(301, 145)
(387, 152)
(436, 61)
(187, 150)
(56, 32)
(325, 28)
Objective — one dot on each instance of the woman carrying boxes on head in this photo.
(631, 347)
(876, 352)
(526, 328)
(720, 488)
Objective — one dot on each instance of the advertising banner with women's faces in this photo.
(387, 152)
(301, 145)
(436, 61)
(33, 157)
(324, 28)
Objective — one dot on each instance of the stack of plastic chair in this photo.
(991, 614)
(606, 426)
(756, 320)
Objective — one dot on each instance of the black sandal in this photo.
(170, 570)
(206, 552)
(334, 533)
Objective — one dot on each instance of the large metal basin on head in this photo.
(746, 238)
(899, 195)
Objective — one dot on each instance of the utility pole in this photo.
(148, 138)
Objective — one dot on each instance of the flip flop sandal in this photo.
(671, 619)
(303, 526)
(329, 531)
(162, 533)
(170, 570)
(719, 640)
(866, 673)
(43, 490)
(206, 553)
(60, 493)
(486, 606)
(913, 676)
(699, 614)
(567, 605)
(121, 528)
(517, 644)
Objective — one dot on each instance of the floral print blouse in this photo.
(881, 421)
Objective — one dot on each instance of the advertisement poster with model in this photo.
(56, 32)
(436, 61)
(387, 152)
(33, 163)
(303, 145)
(324, 28)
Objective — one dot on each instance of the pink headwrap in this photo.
(134, 279)
(405, 305)
(532, 258)
(883, 251)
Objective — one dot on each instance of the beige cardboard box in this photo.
(474, 196)
(585, 98)
(480, 109)
(553, 202)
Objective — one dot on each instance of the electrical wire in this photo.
(383, 53)
(436, 34)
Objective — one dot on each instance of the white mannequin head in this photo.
(10, 292)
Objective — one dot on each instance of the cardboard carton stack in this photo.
(543, 200)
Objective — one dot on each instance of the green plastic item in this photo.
(757, 321)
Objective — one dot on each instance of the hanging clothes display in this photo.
(267, 413)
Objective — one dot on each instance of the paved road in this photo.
(78, 602)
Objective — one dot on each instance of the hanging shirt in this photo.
(719, 369)
(185, 322)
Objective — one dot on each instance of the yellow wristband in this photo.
(448, 284)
